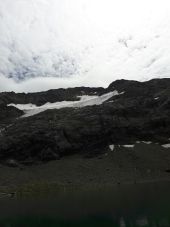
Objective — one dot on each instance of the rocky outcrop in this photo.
(52, 96)
(142, 112)
(8, 114)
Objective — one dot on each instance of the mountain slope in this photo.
(141, 112)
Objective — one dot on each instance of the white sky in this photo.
(66, 43)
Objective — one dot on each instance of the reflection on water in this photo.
(142, 205)
(90, 222)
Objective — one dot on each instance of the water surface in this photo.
(123, 205)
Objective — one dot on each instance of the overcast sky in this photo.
(48, 44)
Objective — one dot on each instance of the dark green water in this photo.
(124, 206)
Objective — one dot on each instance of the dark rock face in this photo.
(142, 112)
(8, 114)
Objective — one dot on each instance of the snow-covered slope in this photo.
(85, 100)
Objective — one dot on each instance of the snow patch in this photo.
(85, 100)
(111, 101)
(166, 145)
(111, 147)
(24, 106)
(138, 142)
(147, 142)
(129, 146)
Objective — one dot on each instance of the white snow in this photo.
(128, 146)
(110, 101)
(111, 147)
(85, 100)
(138, 142)
(24, 106)
(166, 145)
(2, 130)
(147, 142)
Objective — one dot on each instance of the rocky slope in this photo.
(140, 112)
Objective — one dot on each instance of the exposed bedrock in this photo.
(142, 112)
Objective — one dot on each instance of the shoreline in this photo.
(43, 191)
(145, 163)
